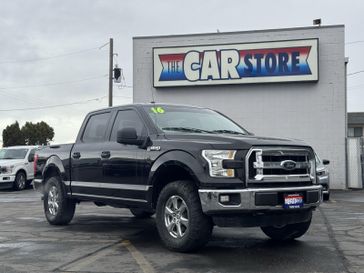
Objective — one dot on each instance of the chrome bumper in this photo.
(211, 204)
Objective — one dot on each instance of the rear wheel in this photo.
(141, 214)
(20, 181)
(287, 232)
(181, 223)
(58, 209)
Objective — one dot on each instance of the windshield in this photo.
(13, 153)
(177, 119)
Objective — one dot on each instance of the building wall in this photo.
(314, 112)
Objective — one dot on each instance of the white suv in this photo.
(16, 166)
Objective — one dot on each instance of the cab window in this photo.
(96, 128)
(31, 155)
(128, 119)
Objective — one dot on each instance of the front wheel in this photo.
(287, 232)
(181, 223)
(20, 181)
(58, 209)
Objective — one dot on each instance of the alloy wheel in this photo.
(21, 181)
(53, 200)
(176, 216)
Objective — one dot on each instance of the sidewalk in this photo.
(344, 217)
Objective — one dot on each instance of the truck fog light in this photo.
(224, 198)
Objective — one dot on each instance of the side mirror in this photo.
(128, 136)
(325, 161)
(31, 158)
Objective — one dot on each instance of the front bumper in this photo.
(256, 199)
(6, 181)
(324, 180)
(7, 178)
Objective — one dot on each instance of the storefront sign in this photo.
(283, 61)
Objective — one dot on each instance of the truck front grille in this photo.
(269, 165)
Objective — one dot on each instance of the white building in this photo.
(281, 82)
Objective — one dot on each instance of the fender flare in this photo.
(180, 158)
(54, 162)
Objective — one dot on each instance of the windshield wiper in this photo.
(186, 129)
(227, 132)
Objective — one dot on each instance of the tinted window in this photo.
(127, 119)
(358, 132)
(355, 132)
(31, 155)
(13, 153)
(96, 128)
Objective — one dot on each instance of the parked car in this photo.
(193, 167)
(323, 176)
(16, 167)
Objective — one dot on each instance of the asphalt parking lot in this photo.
(103, 239)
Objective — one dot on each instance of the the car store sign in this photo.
(281, 61)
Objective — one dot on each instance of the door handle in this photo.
(105, 154)
(76, 155)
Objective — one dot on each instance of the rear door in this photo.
(86, 171)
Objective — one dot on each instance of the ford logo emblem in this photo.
(288, 164)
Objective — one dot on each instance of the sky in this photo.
(52, 59)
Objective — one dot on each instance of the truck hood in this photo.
(226, 141)
(10, 162)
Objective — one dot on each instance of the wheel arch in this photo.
(54, 167)
(23, 171)
(172, 166)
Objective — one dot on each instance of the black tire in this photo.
(140, 213)
(66, 207)
(287, 232)
(20, 182)
(326, 196)
(199, 229)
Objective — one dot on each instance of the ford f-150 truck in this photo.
(16, 167)
(193, 167)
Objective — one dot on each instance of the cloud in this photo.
(39, 29)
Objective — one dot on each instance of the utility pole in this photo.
(111, 56)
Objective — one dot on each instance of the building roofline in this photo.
(237, 32)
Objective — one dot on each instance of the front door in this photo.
(121, 166)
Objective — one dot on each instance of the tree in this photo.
(37, 133)
(12, 135)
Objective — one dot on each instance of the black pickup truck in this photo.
(193, 167)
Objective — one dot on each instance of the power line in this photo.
(58, 105)
(52, 57)
(354, 73)
(53, 84)
(355, 42)
(52, 106)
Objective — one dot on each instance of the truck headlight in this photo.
(215, 158)
(7, 169)
(322, 172)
